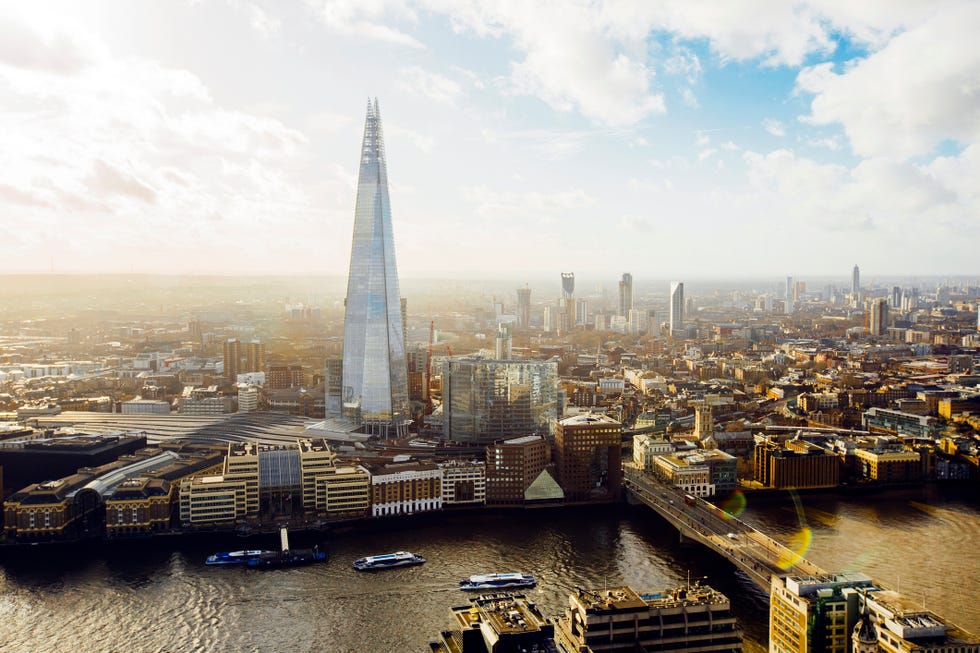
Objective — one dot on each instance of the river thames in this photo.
(161, 597)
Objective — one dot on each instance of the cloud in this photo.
(361, 18)
(533, 206)
(414, 79)
(114, 152)
(905, 99)
(774, 127)
(46, 46)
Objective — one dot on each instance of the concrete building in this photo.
(255, 356)
(588, 455)
(647, 448)
(524, 307)
(497, 623)
(503, 343)
(248, 398)
(464, 483)
(797, 464)
(879, 317)
(689, 473)
(140, 406)
(620, 620)
(204, 401)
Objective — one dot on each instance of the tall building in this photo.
(375, 375)
(625, 294)
(676, 308)
(255, 357)
(789, 295)
(879, 317)
(232, 360)
(566, 308)
(855, 284)
(524, 307)
(812, 613)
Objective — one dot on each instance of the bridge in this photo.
(750, 550)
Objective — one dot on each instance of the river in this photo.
(159, 596)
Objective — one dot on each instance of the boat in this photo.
(233, 557)
(388, 561)
(497, 581)
(290, 558)
(286, 557)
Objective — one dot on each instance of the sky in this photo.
(669, 139)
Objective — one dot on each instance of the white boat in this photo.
(388, 560)
(497, 581)
(233, 557)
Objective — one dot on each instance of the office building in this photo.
(524, 307)
(503, 343)
(464, 482)
(204, 401)
(588, 455)
(625, 294)
(375, 383)
(232, 360)
(488, 400)
(620, 620)
(248, 398)
(879, 317)
(813, 613)
(796, 464)
(512, 465)
(788, 296)
(676, 309)
(140, 406)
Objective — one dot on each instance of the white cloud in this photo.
(415, 79)
(533, 206)
(687, 95)
(363, 18)
(910, 96)
(774, 127)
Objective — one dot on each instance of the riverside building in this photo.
(620, 620)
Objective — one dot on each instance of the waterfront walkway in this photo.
(752, 551)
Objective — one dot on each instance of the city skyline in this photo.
(134, 142)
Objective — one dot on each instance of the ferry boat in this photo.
(233, 557)
(388, 560)
(497, 581)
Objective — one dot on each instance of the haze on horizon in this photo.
(685, 140)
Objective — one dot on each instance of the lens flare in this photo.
(734, 505)
(797, 546)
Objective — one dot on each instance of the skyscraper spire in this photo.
(375, 379)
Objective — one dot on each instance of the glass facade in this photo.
(375, 378)
(488, 400)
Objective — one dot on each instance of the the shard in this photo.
(375, 376)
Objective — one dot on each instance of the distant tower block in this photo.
(676, 308)
(503, 343)
(625, 294)
(524, 307)
(855, 286)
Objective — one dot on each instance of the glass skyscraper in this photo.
(375, 377)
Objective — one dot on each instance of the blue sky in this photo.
(672, 139)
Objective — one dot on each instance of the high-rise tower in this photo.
(375, 377)
(566, 309)
(524, 307)
(676, 308)
(855, 286)
(625, 294)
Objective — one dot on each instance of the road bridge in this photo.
(751, 550)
